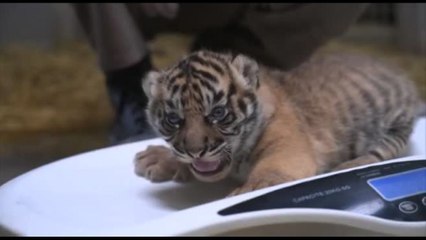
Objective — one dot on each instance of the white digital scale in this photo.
(97, 194)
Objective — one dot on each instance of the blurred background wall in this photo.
(39, 24)
(53, 102)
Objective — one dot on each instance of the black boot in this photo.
(129, 102)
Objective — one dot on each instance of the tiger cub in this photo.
(225, 115)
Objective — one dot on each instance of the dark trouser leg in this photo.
(281, 35)
(291, 33)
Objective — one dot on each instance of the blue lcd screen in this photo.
(400, 185)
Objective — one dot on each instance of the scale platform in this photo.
(97, 194)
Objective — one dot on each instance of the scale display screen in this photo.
(400, 185)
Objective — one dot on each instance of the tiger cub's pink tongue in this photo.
(205, 166)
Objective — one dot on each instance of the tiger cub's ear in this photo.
(248, 68)
(150, 83)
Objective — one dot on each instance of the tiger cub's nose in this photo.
(196, 152)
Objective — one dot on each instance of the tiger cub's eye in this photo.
(173, 119)
(218, 113)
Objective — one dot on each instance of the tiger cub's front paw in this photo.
(159, 164)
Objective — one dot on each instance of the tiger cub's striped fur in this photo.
(226, 115)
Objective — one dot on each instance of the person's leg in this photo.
(123, 57)
(291, 33)
(217, 27)
(281, 35)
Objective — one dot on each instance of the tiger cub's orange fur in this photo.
(225, 115)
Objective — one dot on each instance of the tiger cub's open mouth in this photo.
(204, 167)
